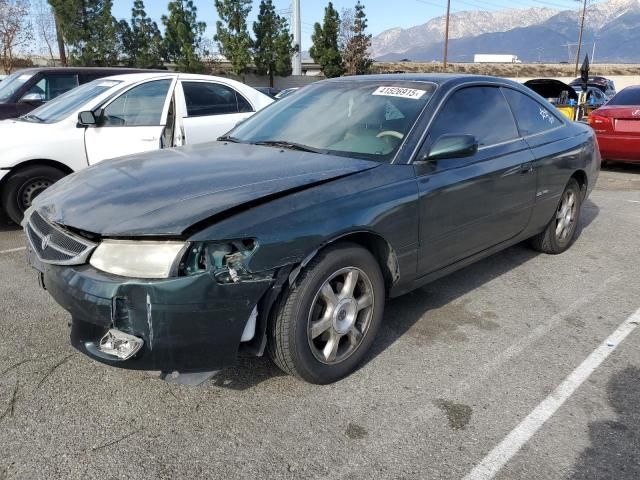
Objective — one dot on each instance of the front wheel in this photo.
(559, 232)
(23, 186)
(328, 319)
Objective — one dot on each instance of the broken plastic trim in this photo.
(226, 260)
(119, 344)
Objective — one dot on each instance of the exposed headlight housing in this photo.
(138, 258)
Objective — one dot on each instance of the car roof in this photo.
(437, 78)
(137, 77)
(83, 69)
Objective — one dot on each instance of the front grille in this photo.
(53, 245)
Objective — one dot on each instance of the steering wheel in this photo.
(390, 133)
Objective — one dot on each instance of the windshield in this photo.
(363, 119)
(628, 96)
(10, 85)
(60, 107)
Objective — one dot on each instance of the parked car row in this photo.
(617, 126)
(24, 90)
(111, 117)
(288, 233)
(615, 120)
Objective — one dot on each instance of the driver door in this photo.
(133, 122)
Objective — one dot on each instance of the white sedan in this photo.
(112, 117)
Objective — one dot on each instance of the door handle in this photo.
(526, 168)
(149, 139)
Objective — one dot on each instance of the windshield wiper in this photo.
(35, 117)
(229, 138)
(288, 145)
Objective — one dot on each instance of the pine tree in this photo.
(142, 41)
(90, 30)
(273, 44)
(356, 49)
(231, 33)
(183, 35)
(325, 50)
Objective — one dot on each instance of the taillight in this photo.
(599, 123)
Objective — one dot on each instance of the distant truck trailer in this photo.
(495, 58)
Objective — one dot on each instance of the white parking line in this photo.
(633, 201)
(512, 443)
(19, 249)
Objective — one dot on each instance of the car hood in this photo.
(164, 193)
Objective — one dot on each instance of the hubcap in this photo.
(566, 215)
(340, 315)
(31, 190)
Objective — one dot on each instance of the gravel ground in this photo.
(458, 364)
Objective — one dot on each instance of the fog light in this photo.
(120, 344)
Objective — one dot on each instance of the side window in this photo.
(243, 105)
(207, 98)
(479, 111)
(532, 117)
(139, 106)
(51, 86)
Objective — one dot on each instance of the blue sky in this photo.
(382, 14)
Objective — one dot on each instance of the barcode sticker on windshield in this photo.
(401, 92)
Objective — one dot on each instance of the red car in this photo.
(617, 126)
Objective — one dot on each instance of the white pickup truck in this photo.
(112, 117)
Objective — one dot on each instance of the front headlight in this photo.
(139, 259)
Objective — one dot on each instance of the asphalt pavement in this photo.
(504, 367)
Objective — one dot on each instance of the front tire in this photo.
(328, 319)
(561, 229)
(23, 186)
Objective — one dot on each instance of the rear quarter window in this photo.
(532, 117)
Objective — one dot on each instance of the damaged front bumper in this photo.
(186, 324)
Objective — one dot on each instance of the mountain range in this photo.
(533, 34)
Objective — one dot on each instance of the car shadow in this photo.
(615, 444)
(7, 225)
(622, 167)
(403, 314)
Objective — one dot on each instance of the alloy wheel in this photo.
(566, 215)
(340, 315)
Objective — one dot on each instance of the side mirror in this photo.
(453, 146)
(32, 98)
(87, 118)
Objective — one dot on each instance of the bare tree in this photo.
(45, 26)
(15, 30)
(347, 20)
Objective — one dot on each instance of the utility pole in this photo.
(446, 35)
(584, 10)
(296, 59)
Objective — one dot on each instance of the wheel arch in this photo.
(38, 161)
(583, 181)
(375, 243)
(31, 163)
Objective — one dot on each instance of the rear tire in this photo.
(327, 321)
(561, 229)
(23, 186)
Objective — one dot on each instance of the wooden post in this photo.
(446, 35)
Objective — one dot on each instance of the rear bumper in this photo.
(188, 324)
(619, 147)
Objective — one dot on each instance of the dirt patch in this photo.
(438, 319)
(355, 431)
(458, 414)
